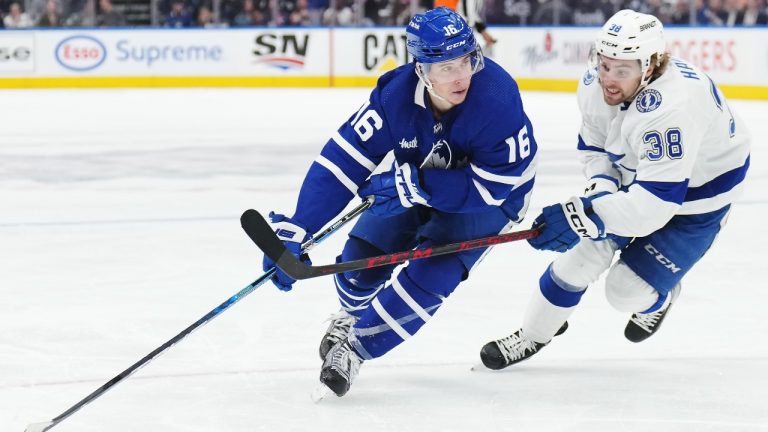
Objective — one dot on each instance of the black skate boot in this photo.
(338, 330)
(512, 349)
(340, 368)
(642, 326)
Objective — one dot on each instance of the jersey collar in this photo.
(418, 97)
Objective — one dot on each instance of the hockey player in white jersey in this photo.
(665, 157)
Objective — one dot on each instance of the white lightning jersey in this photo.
(676, 149)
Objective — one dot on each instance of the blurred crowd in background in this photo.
(243, 13)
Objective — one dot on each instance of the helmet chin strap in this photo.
(646, 78)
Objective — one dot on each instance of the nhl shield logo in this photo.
(648, 100)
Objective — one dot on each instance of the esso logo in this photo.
(81, 53)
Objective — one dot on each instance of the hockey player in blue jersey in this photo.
(665, 156)
(464, 165)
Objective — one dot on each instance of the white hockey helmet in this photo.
(630, 35)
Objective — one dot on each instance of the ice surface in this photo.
(119, 227)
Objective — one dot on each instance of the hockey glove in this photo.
(394, 191)
(564, 225)
(293, 235)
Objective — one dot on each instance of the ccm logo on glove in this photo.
(575, 220)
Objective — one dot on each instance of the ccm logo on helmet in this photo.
(610, 44)
(456, 45)
(647, 26)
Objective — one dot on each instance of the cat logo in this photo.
(384, 52)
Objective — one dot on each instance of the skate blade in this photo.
(319, 393)
(480, 367)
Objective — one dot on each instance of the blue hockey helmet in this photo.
(439, 35)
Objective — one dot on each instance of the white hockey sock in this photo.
(543, 319)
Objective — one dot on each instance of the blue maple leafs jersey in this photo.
(479, 154)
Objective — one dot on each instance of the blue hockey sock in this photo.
(405, 305)
(353, 298)
(357, 288)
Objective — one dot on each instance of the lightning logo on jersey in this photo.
(648, 100)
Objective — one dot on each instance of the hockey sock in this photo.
(356, 289)
(405, 305)
(354, 299)
(550, 307)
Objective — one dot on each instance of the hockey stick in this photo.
(261, 233)
(44, 426)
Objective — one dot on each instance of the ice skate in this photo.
(338, 330)
(642, 326)
(512, 349)
(340, 368)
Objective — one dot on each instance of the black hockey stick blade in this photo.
(259, 230)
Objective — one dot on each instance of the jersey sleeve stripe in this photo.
(486, 195)
(583, 146)
(529, 173)
(628, 169)
(673, 192)
(720, 184)
(353, 152)
(609, 178)
(336, 171)
(483, 174)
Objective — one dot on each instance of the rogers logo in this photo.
(80, 53)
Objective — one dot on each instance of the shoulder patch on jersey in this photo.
(648, 100)
(589, 76)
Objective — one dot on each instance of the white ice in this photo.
(119, 227)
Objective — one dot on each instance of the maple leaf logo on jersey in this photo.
(439, 157)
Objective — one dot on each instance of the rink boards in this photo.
(540, 58)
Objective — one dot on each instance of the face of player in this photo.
(619, 79)
(450, 80)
